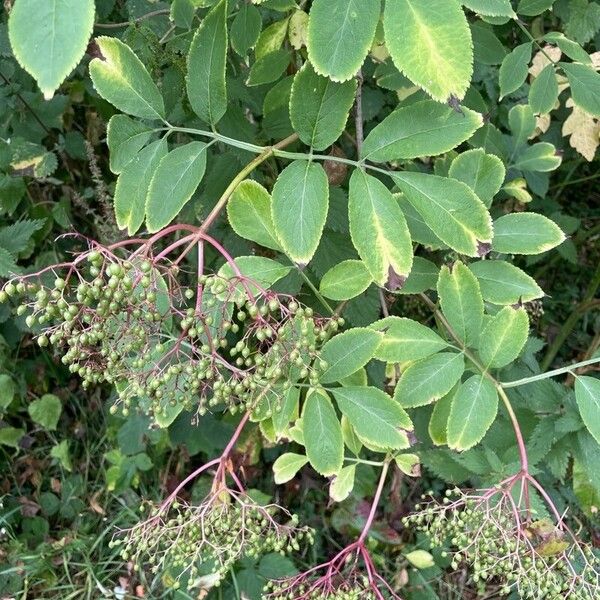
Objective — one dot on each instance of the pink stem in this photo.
(376, 499)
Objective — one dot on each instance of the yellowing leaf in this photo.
(583, 131)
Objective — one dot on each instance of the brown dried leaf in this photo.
(584, 131)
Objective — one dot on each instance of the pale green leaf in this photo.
(429, 379)
(351, 440)
(206, 64)
(174, 182)
(45, 411)
(245, 29)
(49, 38)
(522, 123)
(438, 422)
(346, 280)
(133, 183)
(299, 209)
(322, 434)
(541, 157)
(319, 107)
(587, 394)
(421, 559)
(424, 128)
(526, 233)
(490, 8)
(287, 465)
(340, 33)
(483, 173)
(249, 213)
(298, 29)
(514, 69)
(585, 86)
(543, 92)
(62, 454)
(378, 229)
(406, 340)
(461, 301)
(503, 337)
(342, 484)
(271, 38)
(375, 417)
(531, 8)
(259, 269)
(503, 283)
(430, 42)
(7, 390)
(450, 209)
(409, 464)
(347, 352)
(288, 412)
(473, 410)
(121, 78)
(10, 436)
(572, 49)
(125, 138)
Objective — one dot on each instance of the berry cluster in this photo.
(357, 589)
(209, 538)
(501, 544)
(212, 341)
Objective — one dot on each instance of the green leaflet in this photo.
(249, 214)
(490, 8)
(182, 13)
(514, 69)
(530, 8)
(423, 276)
(543, 92)
(483, 173)
(450, 209)
(526, 233)
(347, 352)
(425, 128)
(133, 184)
(269, 68)
(342, 484)
(289, 410)
(125, 138)
(287, 465)
(461, 301)
(430, 42)
(585, 86)
(319, 107)
(322, 434)
(261, 270)
(340, 33)
(503, 283)
(429, 379)
(271, 39)
(121, 78)
(378, 229)
(375, 417)
(245, 29)
(406, 340)
(438, 422)
(346, 280)
(503, 337)
(522, 123)
(539, 157)
(473, 410)
(49, 38)
(206, 64)
(7, 390)
(409, 464)
(174, 182)
(587, 394)
(350, 438)
(46, 411)
(299, 209)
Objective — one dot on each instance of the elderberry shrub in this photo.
(500, 542)
(355, 589)
(195, 541)
(167, 344)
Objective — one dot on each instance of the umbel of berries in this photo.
(170, 340)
